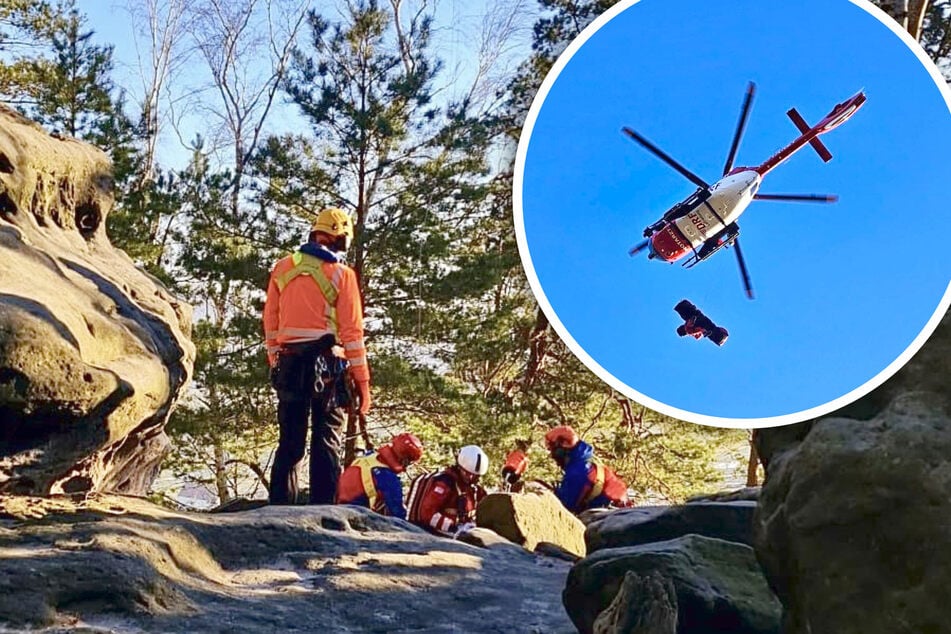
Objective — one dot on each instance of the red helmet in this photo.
(562, 437)
(407, 448)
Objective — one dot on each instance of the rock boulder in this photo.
(94, 352)
(852, 529)
(748, 494)
(732, 521)
(530, 519)
(719, 586)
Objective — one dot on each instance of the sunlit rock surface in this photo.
(94, 353)
(125, 565)
(532, 518)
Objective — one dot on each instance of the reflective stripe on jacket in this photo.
(606, 487)
(589, 484)
(596, 477)
(308, 298)
(370, 482)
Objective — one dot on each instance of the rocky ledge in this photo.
(121, 564)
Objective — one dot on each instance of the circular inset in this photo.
(629, 144)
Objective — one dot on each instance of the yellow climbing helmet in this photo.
(335, 222)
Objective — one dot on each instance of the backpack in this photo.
(417, 487)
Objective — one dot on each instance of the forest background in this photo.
(303, 104)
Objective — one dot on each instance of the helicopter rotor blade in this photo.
(639, 247)
(747, 285)
(801, 198)
(696, 180)
(740, 126)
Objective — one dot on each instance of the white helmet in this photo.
(473, 460)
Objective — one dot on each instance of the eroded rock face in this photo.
(93, 352)
(852, 530)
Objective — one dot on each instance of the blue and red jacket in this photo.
(587, 484)
(372, 481)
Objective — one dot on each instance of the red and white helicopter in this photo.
(705, 222)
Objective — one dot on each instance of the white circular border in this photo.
(594, 366)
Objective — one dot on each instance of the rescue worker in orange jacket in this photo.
(515, 465)
(373, 480)
(586, 483)
(313, 304)
(444, 502)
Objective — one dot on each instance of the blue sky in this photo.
(456, 35)
(841, 289)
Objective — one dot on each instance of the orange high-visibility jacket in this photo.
(308, 298)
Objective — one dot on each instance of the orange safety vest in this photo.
(606, 482)
(298, 310)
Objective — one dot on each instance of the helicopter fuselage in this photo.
(705, 222)
(700, 218)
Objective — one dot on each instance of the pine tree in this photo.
(412, 172)
(63, 80)
(25, 25)
(223, 430)
(529, 380)
(68, 88)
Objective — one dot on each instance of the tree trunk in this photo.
(910, 14)
(221, 480)
(752, 466)
(916, 17)
(644, 605)
(538, 347)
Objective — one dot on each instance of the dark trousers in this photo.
(296, 408)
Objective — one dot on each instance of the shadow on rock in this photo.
(105, 560)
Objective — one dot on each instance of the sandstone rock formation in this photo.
(487, 538)
(852, 529)
(93, 351)
(532, 518)
(748, 494)
(732, 521)
(125, 565)
(719, 585)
